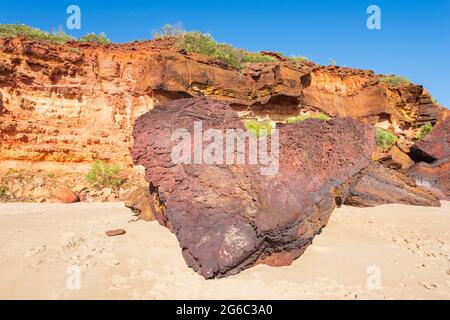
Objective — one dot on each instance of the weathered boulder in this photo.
(377, 185)
(434, 177)
(433, 154)
(231, 216)
(139, 201)
(400, 159)
(434, 146)
(63, 195)
(394, 159)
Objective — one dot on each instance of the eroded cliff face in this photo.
(74, 103)
(346, 92)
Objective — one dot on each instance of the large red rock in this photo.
(435, 146)
(229, 217)
(433, 154)
(433, 176)
(377, 185)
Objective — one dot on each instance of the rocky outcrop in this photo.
(359, 94)
(433, 155)
(435, 146)
(433, 176)
(230, 216)
(139, 200)
(394, 159)
(63, 195)
(77, 102)
(377, 185)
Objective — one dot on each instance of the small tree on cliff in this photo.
(101, 38)
(204, 44)
(170, 30)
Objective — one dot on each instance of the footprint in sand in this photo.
(72, 242)
(34, 251)
(428, 285)
(117, 282)
(113, 262)
(134, 274)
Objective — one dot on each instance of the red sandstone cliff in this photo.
(77, 102)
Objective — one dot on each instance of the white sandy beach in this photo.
(406, 250)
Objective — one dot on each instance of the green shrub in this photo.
(101, 38)
(298, 60)
(424, 130)
(9, 31)
(434, 100)
(3, 192)
(384, 139)
(74, 50)
(204, 44)
(303, 117)
(26, 200)
(169, 30)
(332, 62)
(258, 128)
(395, 81)
(103, 175)
(255, 57)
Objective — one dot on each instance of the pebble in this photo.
(115, 232)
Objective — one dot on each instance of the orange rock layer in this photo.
(76, 102)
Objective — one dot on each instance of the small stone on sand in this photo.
(115, 232)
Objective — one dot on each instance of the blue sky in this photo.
(414, 40)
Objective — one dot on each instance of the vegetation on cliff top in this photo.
(101, 38)
(434, 100)
(190, 41)
(298, 61)
(23, 31)
(384, 139)
(204, 44)
(395, 80)
(9, 31)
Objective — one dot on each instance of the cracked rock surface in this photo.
(230, 217)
